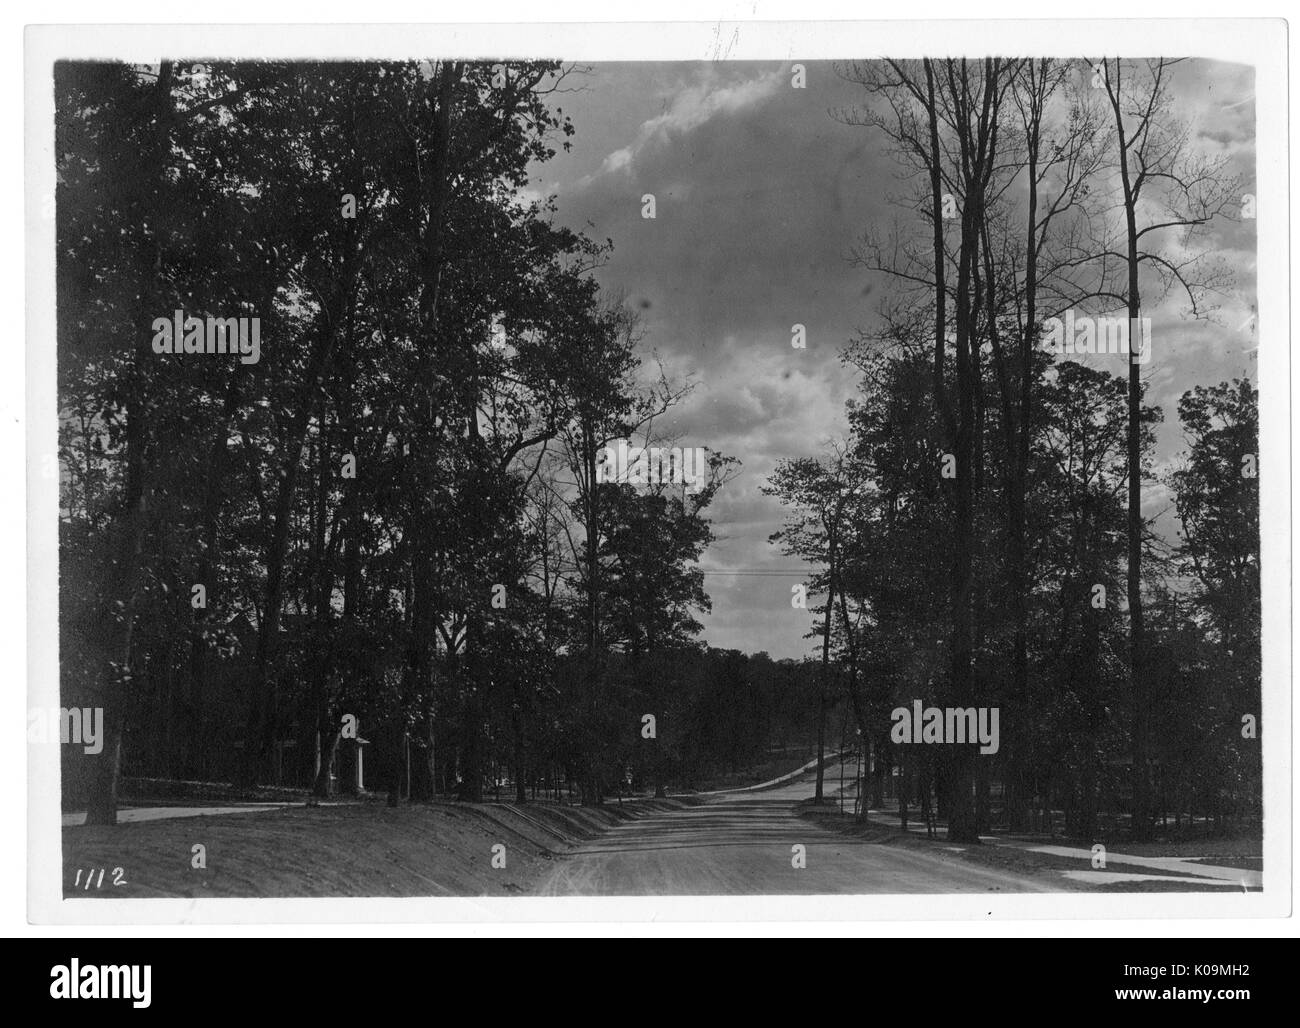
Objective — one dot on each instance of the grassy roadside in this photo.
(361, 849)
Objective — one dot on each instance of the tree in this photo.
(1154, 155)
(945, 119)
(824, 494)
(1216, 493)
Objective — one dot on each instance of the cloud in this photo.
(687, 110)
(762, 195)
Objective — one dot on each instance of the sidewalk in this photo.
(1185, 866)
(128, 814)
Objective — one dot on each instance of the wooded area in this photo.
(394, 511)
(980, 530)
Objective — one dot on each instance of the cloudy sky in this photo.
(760, 195)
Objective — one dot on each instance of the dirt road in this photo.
(742, 843)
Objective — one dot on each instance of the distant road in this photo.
(740, 843)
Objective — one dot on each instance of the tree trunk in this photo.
(1142, 825)
(101, 807)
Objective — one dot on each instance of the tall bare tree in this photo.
(1167, 189)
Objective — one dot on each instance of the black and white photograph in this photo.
(843, 465)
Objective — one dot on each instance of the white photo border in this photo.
(1261, 43)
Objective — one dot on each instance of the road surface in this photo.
(741, 843)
